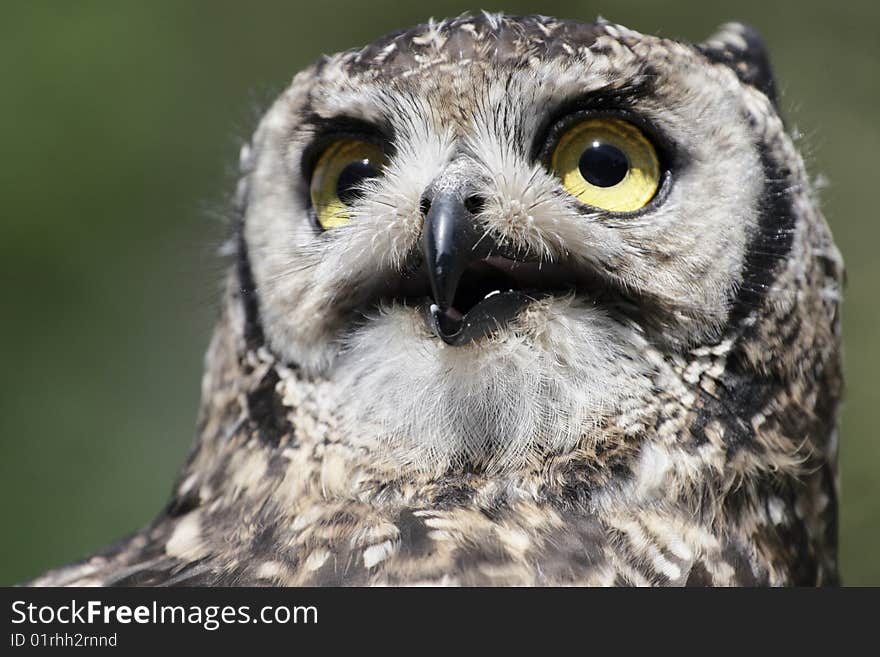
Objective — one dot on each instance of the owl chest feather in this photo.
(271, 495)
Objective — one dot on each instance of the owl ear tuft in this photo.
(742, 49)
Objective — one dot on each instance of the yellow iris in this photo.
(607, 163)
(340, 169)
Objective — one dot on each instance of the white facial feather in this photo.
(520, 394)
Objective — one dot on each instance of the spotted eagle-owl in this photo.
(515, 301)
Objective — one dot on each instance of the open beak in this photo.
(472, 295)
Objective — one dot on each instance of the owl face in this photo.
(483, 236)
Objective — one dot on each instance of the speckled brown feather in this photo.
(722, 473)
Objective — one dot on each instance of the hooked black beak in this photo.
(452, 242)
(449, 244)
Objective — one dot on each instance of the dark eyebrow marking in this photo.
(327, 129)
(608, 99)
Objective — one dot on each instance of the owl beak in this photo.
(449, 244)
(454, 247)
(474, 293)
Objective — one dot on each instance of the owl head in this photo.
(483, 237)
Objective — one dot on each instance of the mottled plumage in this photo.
(669, 419)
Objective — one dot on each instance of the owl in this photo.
(515, 301)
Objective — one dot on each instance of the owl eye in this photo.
(607, 163)
(338, 178)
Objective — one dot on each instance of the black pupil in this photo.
(351, 177)
(603, 165)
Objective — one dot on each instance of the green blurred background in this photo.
(120, 124)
